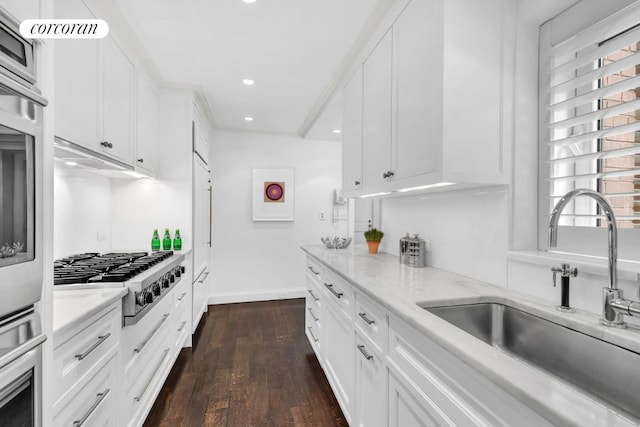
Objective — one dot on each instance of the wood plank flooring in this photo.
(250, 365)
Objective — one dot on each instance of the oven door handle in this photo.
(22, 349)
(22, 91)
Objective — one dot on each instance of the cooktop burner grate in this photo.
(106, 268)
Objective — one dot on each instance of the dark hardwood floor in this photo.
(250, 365)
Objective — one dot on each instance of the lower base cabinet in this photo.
(371, 385)
(405, 410)
(339, 362)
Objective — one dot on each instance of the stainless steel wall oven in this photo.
(21, 223)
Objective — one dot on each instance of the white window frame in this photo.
(610, 18)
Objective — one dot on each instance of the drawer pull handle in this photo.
(182, 326)
(146, 387)
(315, 319)
(85, 417)
(182, 296)
(314, 297)
(95, 345)
(311, 332)
(364, 352)
(366, 319)
(313, 270)
(206, 274)
(333, 291)
(152, 334)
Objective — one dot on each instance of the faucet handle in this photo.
(565, 270)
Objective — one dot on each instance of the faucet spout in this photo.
(612, 227)
(613, 305)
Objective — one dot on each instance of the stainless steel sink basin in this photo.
(608, 372)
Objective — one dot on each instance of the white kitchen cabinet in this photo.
(406, 409)
(84, 376)
(339, 357)
(95, 403)
(200, 135)
(371, 385)
(352, 133)
(433, 98)
(147, 126)
(94, 90)
(378, 69)
(145, 361)
(200, 297)
(315, 311)
(181, 315)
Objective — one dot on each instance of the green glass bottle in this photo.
(177, 240)
(155, 241)
(166, 241)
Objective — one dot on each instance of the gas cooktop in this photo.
(115, 267)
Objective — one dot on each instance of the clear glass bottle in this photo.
(177, 240)
(166, 241)
(155, 241)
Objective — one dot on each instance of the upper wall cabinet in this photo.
(147, 130)
(94, 90)
(352, 133)
(433, 107)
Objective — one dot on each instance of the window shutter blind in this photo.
(594, 121)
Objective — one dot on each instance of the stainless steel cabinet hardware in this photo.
(311, 332)
(210, 214)
(312, 295)
(313, 270)
(85, 417)
(315, 319)
(357, 182)
(146, 387)
(181, 297)
(141, 160)
(182, 326)
(333, 291)
(364, 352)
(152, 334)
(95, 345)
(106, 144)
(204, 278)
(366, 319)
(387, 174)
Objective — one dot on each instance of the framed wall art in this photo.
(273, 195)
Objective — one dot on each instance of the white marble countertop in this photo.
(402, 289)
(72, 307)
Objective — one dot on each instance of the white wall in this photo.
(82, 213)
(467, 230)
(263, 260)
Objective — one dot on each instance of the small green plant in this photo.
(373, 234)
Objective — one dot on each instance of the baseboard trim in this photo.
(262, 295)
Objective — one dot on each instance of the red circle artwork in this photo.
(274, 191)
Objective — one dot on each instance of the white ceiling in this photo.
(296, 50)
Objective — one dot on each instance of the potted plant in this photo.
(373, 236)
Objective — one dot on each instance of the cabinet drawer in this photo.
(77, 356)
(180, 295)
(314, 270)
(371, 320)
(95, 404)
(181, 326)
(339, 292)
(313, 329)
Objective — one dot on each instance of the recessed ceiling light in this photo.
(249, 1)
(248, 119)
(248, 82)
(337, 131)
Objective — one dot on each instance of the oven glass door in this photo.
(17, 219)
(17, 402)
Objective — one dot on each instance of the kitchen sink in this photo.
(602, 369)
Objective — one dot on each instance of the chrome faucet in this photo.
(613, 305)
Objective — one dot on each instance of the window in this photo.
(590, 120)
